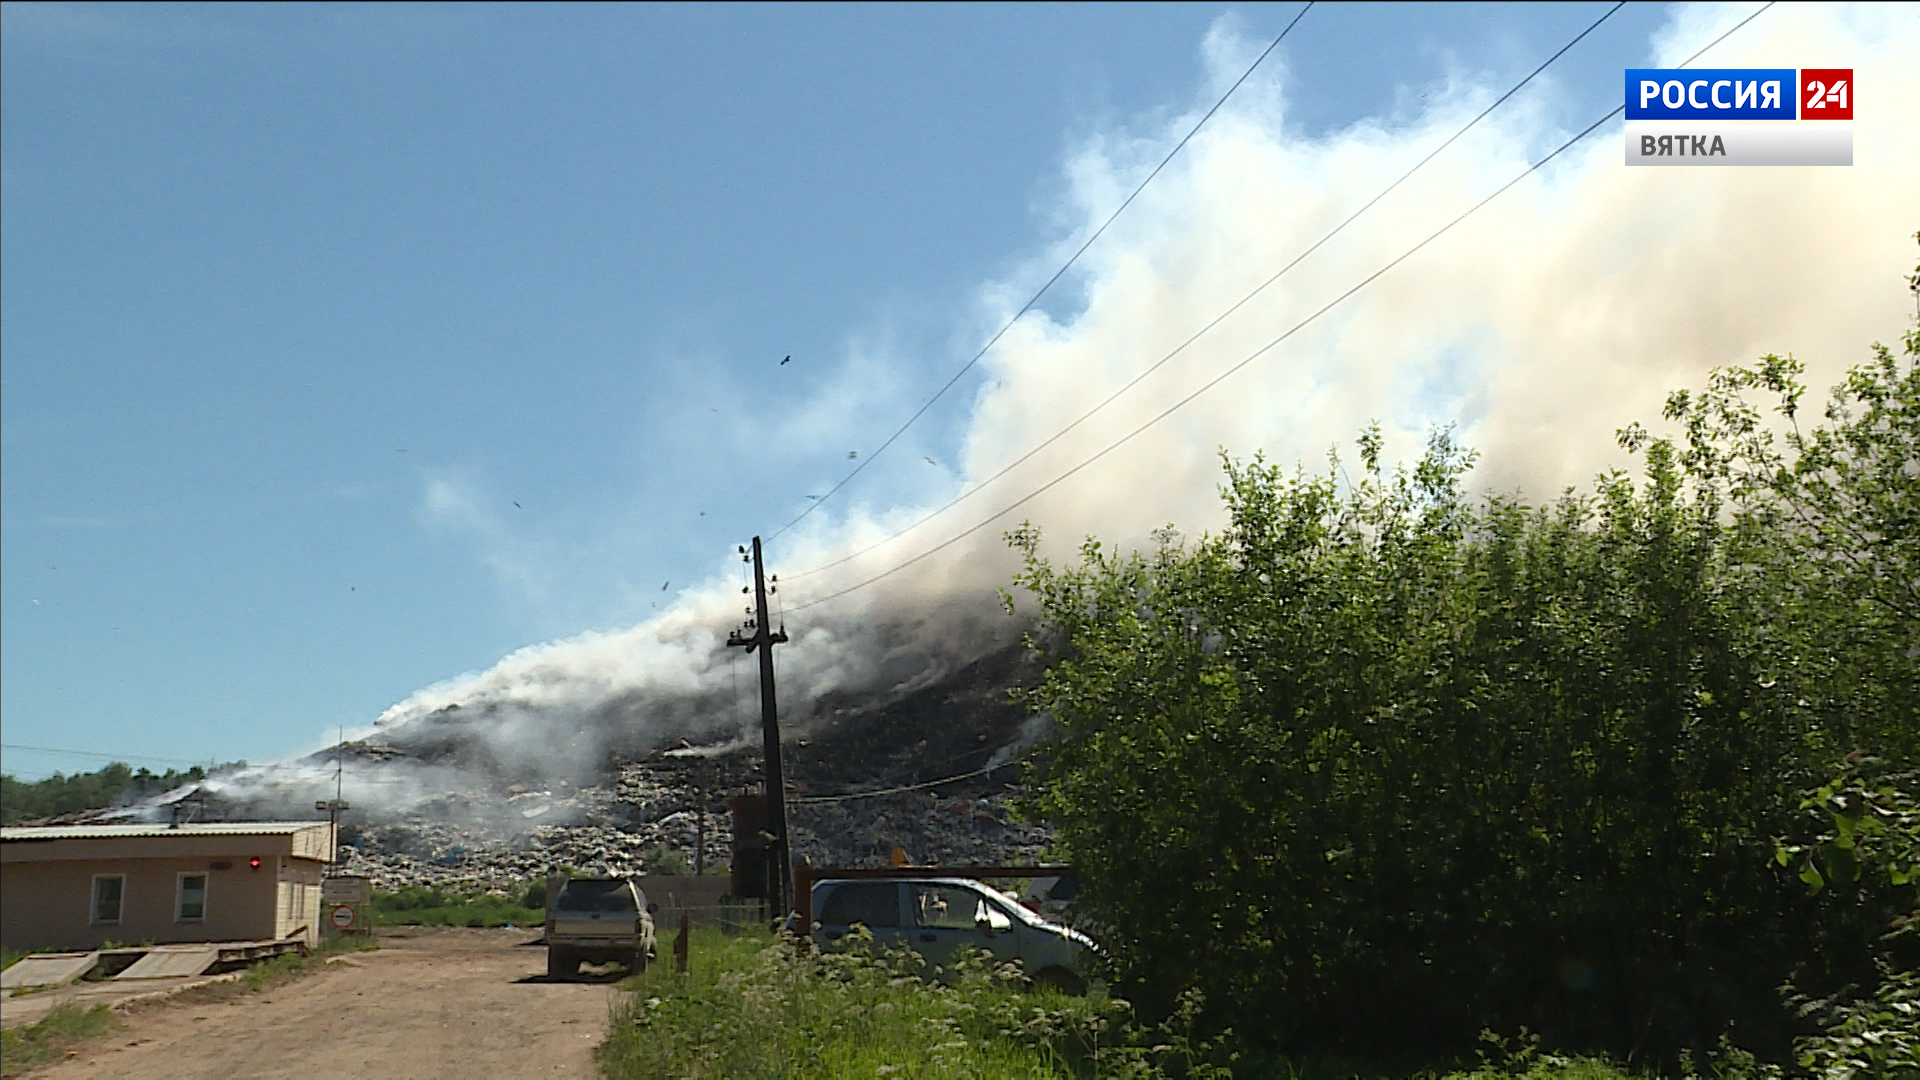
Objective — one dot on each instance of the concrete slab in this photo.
(19, 1011)
(48, 969)
(172, 961)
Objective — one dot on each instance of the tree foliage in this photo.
(1383, 765)
(118, 784)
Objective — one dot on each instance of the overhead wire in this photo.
(123, 759)
(1218, 319)
(815, 504)
(846, 796)
(1269, 346)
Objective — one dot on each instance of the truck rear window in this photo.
(596, 896)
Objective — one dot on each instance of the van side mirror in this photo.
(984, 927)
(653, 907)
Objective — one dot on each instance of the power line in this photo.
(1269, 346)
(898, 790)
(1218, 319)
(122, 758)
(815, 504)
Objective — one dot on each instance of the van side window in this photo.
(875, 903)
(947, 907)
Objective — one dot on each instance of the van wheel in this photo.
(562, 963)
(1059, 978)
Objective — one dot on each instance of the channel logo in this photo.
(1732, 116)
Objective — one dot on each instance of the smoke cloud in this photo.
(1564, 310)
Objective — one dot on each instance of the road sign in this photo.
(353, 891)
(343, 917)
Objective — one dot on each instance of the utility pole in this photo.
(700, 837)
(765, 638)
(336, 804)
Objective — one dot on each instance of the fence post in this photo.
(680, 947)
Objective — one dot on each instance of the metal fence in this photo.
(730, 916)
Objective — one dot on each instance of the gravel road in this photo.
(428, 1003)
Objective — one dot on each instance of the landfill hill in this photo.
(844, 768)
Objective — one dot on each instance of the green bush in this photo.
(1387, 750)
(752, 1007)
(1865, 842)
(423, 906)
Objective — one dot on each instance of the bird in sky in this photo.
(516, 506)
(784, 363)
(851, 454)
(664, 584)
(813, 496)
(928, 460)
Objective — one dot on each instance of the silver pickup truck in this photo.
(597, 921)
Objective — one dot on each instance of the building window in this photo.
(109, 891)
(190, 898)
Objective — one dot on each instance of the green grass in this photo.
(50, 1037)
(750, 1009)
(8, 957)
(415, 906)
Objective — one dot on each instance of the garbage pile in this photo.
(651, 815)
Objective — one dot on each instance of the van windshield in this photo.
(596, 896)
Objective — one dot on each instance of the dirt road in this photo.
(428, 1003)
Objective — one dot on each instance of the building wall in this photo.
(49, 905)
(297, 899)
(46, 885)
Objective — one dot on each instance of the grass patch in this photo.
(50, 1037)
(417, 906)
(9, 957)
(751, 1009)
(287, 967)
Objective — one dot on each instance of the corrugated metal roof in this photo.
(104, 832)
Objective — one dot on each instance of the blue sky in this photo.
(349, 348)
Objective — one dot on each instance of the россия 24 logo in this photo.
(1739, 94)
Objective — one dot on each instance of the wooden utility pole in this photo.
(336, 804)
(700, 837)
(780, 865)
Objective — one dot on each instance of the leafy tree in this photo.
(117, 784)
(1389, 752)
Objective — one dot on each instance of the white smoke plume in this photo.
(1564, 310)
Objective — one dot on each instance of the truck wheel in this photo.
(562, 963)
